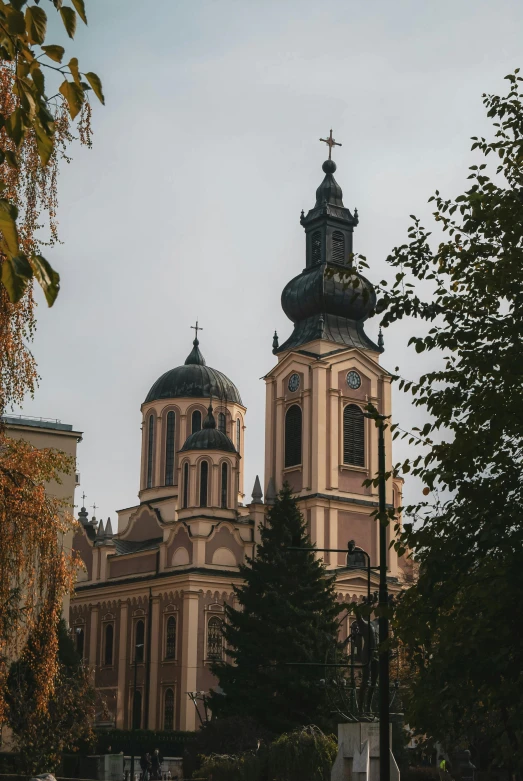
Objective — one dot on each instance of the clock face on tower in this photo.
(294, 382)
(353, 380)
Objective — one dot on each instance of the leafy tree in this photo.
(287, 615)
(66, 724)
(461, 620)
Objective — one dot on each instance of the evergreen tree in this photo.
(288, 614)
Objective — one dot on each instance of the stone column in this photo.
(189, 658)
(306, 443)
(155, 661)
(122, 667)
(334, 437)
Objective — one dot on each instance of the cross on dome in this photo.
(330, 143)
(196, 328)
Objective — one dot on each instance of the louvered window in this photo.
(338, 247)
(214, 639)
(169, 449)
(185, 484)
(109, 636)
(139, 641)
(238, 434)
(170, 645)
(150, 452)
(168, 718)
(225, 475)
(196, 421)
(293, 436)
(204, 479)
(316, 247)
(221, 422)
(353, 435)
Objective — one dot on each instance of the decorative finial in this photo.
(196, 328)
(330, 143)
(84, 497)
(270, 493)
(209, 421)
(275, 342)
(381, 341)
(257, 492)
(356, 218)
(108, 534)
(321, 327)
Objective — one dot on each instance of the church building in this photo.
(148, 608)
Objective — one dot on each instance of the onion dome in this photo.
(194, 380)
(329, 300)
(209, 437)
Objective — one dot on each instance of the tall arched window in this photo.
(169, 448)
(137, 709)
(170, 642)
(338, 247)
(204, 479)
(221, 422)
(214, 639)
(80, 642)
(293, 436)
(238, 434)
(224, 486)
(108, 650)
(168, 710)
(139, 641)
(353, 435)
(185, 484)
(150, 451)
(316, 247)
(196, 421)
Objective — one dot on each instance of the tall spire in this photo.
(209, 421)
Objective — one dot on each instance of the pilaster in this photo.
(122, 666)
(154, 662)
(93, 636)
(319, 427)
(189, 658)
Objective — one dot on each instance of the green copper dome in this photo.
(209, 437)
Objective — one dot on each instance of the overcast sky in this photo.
(206, 151)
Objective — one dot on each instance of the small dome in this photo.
(194, 380)
(209, 438)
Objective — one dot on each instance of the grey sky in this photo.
(188, 205)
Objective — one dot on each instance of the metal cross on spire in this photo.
(83, 499)
(330, 142)
(197, 328)
(94, 509)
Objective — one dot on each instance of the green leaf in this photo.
(48, 278)
(44, 143)
(39, 81)
(54, 52)
(74, 96)
(16, 273)
(14, 126)
(18, 4)
(69, 20)
(36, 23)
(96, 84)
(80, 9)
(73, 67)
(8, 215)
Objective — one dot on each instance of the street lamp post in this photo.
(133, 721)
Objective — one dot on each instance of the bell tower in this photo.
(317, 437)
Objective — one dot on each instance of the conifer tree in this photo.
(287, 613)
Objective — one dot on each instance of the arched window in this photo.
(214, 639)
(224, 486)
(293, 436)
(108, 651)
(238, 434)
(353, 435)
(204, 479)
(150, 451)
(169, 448)
(185, 484)
(80, 642)
(338, 247)
(221, 422)
(139, 641)
(170, 644)
(168, 710)
(137, 709)
(196, 421)
(316, 247)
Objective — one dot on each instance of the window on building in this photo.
(293, 436)
(316, 247)
(185, 484)
(224, 486)
(221, 422)
(137, 709)
(338, 247)
(196, 421)
(169, 448)
(139, 641)
(80, 637)
(170, 644)
(214, 639)
(353, 435)
(168, 710)
(109, 638)
(238, 434)
(150, 451)
(204, 480)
